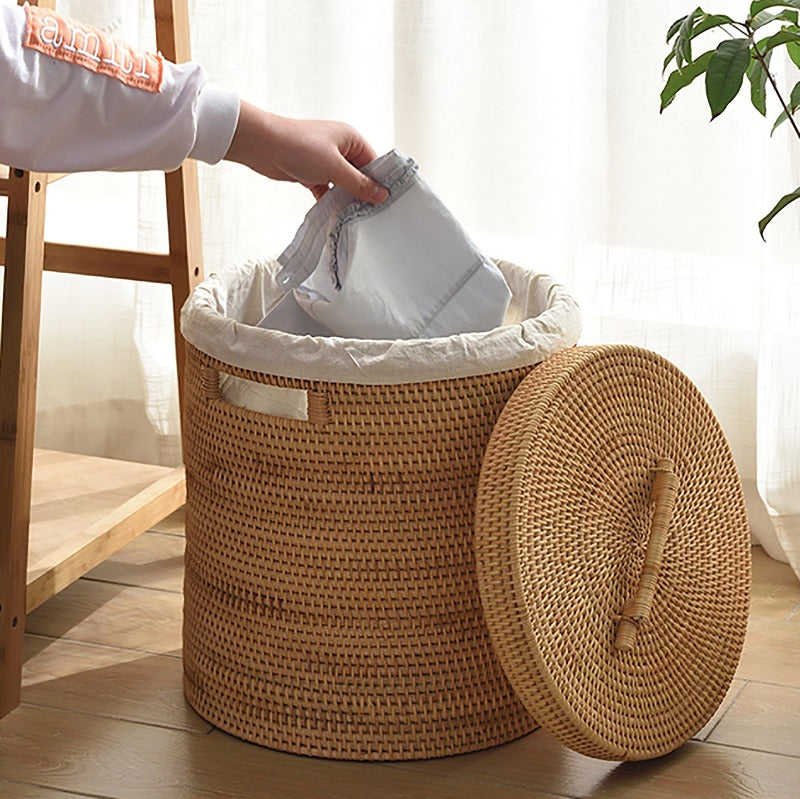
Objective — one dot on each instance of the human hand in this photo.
(310, 152)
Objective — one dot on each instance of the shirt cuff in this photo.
(217, 113)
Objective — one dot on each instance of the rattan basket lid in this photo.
(607, 478)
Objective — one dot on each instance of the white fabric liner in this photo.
(221, 315)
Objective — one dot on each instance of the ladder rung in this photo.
(151, 267)
(5, 183)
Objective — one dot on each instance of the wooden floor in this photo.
(103, 714)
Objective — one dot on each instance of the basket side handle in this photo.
(209, 383)
(663, 493)
(316, 408)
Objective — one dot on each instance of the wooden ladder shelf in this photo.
(62, 514)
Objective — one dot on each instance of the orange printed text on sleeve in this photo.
(72, 41)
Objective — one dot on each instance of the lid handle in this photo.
(637, 609)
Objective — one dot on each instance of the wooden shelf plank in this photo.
(84, 509)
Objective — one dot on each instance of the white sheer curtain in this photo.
(539, 126)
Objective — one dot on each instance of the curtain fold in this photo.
(541, 131)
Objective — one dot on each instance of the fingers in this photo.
(350, 153)
(356, 153)
(358, 184)
(359, 152)
(369, 192)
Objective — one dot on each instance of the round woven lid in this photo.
(613, 552)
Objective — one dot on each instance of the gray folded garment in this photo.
(402, 269)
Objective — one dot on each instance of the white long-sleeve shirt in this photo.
(74, 99)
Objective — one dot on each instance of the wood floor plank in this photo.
(696, 771)
(776, 590)
(771, 653)
(113, 615)
(154, 560)
(730, 697)
(133, 761)
(105, 681)
(763, 717)
(17, 790)
(772, 647)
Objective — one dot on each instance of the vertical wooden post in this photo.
(183, 198)
(19, 349)
(19, 346)
(19, 360)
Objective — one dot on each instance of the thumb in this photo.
(358, 184)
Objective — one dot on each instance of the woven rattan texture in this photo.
(561, 531)
(331, 596)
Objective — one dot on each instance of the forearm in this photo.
(74, 99)
(62, 114)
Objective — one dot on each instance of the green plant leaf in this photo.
(707, 22)
(781, 37)
(794, 104)
(683, 42)
(765, 17)
(781, 118)
(758, 84)
(680, 78)
(759, 5)
(673, 29)
(761, 46)
(779, 206)
(793, 49)
(725, 73)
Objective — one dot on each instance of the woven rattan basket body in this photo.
(331, 598)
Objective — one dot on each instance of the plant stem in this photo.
(761, 60)
(732, 35)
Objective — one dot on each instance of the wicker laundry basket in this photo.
(427, 568)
